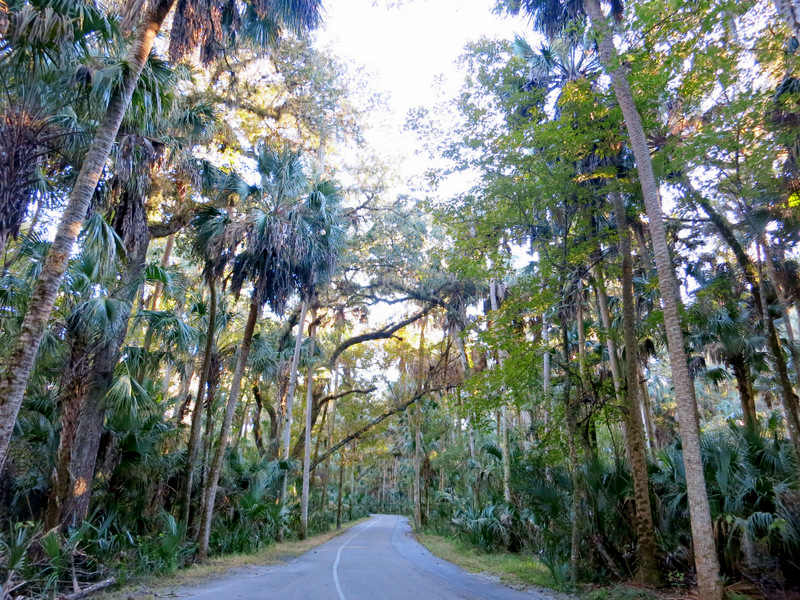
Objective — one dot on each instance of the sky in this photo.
(408, 49)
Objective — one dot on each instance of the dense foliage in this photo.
(239, 331)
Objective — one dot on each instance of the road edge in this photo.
(277, 554)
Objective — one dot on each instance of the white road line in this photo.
(339, 555)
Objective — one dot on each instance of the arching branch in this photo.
(380, 334)
(379, 419)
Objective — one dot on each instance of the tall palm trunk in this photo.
(546, 372)
(72, 487)
(572, 449)
(741, 372)
(215, 469)
(339, 495)
(312, 335)
(258, 438)
(634, 430)
(20, 361)
(605, 317)
(647, 411)
(197, 415)
(418, 431)
(494, 301)
(323, 503)
(706, 560)
(287, 425)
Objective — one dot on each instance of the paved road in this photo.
(376, 560)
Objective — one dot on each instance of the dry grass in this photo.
(198, 574)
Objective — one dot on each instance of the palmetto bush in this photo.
(752, 483)
(753, 489)
(248, 515)
(493, 526)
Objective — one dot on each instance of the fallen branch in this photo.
(90, 590)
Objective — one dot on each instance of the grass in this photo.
(274, 554)
(521, 570)
(517, 570)
(620, 592)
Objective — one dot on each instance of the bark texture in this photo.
(634, 430)
(20, 361)
(197, 414)
(312, 335)
(210, 492)
(706, 560)
(287, 425)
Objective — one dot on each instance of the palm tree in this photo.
(215, 242)
(286, 249)
(44, 52)
(566, 59)
(296, 15)
(634, 429)
(138, 159)
(552, 16)
(706, 560)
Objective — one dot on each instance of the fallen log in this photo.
(101, 585)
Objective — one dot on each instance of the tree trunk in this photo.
(546, 372)
(215, 469)
(494, 301)
(462, 353)
(312, 335)
(197, 415)
(506, 454)
(742, 374)
(791, 14)
(73, 486)
(339, 496)
(352, 491)
(383, 486)
(418, 432)
(20, 360)
(242, 424)
(634, 430)
(706, 560)
(575, 532)
(257, 436)
(287, 425)
(323, 504)
(605, 317)
(647, 412)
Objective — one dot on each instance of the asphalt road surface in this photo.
(376, 560)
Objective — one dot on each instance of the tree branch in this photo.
(381, 334)
(176, 223)
(380, 418)
(298, 447)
